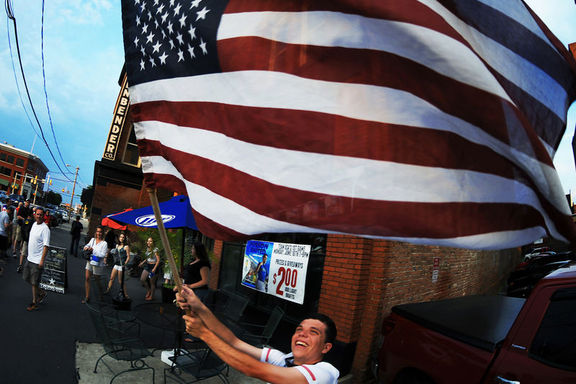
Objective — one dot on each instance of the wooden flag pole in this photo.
(165, 243)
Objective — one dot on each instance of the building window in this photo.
(2, 156)
(10, 159)
(5, 171)
(20, 162)
(131, 155)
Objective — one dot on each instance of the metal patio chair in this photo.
(196, 365)
(260, 334)
(232, 309)
(120, 342)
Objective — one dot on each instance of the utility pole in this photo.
(35, 192)
(73, 188)
(14, 182)
(24, 177)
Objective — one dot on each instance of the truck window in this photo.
(555, 341)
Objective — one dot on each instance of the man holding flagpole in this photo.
(312, 339)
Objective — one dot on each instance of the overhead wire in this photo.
(16, 79)
(46, 92)
(10, 14)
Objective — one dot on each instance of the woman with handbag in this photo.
(150, 265)
(98, 250)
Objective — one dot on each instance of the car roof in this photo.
(563, 273)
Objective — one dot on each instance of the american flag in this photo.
(432, 122)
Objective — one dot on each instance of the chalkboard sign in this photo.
(54, 274)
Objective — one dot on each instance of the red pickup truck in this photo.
(485, 339)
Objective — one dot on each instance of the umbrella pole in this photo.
(165, 243)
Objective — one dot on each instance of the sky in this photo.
(83, 56)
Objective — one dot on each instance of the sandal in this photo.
(85, 300)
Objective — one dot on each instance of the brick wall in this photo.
(112, 198)
(215, 266)
(364, 278)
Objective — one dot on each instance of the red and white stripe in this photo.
(386, 120)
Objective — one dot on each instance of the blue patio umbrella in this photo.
(176, 213)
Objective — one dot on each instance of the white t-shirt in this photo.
(4, 219)
(319, 373)
(98, 253)
(39, 237)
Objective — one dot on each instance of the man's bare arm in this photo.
(239, 360)
(187, 298)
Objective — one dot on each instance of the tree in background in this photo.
(86, 197)
(53, 198)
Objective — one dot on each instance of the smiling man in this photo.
(312, 339)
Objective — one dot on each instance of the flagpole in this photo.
(165, 243)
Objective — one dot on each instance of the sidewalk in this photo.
(57, 343)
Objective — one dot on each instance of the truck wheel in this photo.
(412, 377)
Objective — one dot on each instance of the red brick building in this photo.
(354, 280)
(18, 170)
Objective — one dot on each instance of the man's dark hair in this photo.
(40, 208)
(329, 323)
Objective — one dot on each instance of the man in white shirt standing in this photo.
(38, 243)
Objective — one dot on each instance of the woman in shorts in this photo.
(95, 266)
(121, 258)
(150, 267)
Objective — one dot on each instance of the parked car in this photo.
(485, 339)
(17, 198)
(65, 216)
(527, 274)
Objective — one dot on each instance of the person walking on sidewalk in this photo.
(38, 244)
(4, 232)
(95, 266)
(75, 231)
(26, 227)
(20, 216)
(16, 235)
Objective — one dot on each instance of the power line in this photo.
(10, 14)
(45, 91)
(16, 78)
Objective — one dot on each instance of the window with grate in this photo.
(131, 155)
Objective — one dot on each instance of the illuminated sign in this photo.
(120, 112)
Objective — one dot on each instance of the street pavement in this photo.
(40, 346)
(57, 343)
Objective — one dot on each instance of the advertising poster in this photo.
(278, 269)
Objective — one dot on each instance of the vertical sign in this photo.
(435, 269)
(120, 112)
(53, 276)
(278, 269)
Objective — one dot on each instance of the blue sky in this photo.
(83, 56)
